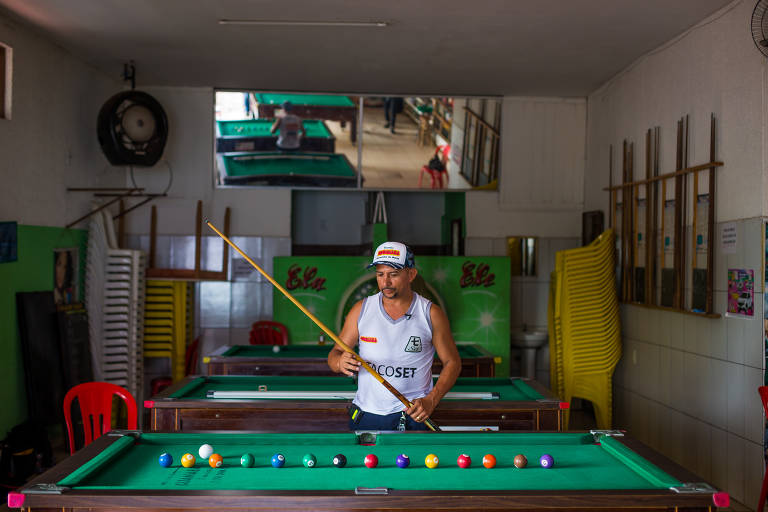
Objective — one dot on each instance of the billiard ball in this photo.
(276, 349)
(546, 461)
(188, 460)
(215, 460)
(464, 461)
(309, 460)
(489, 461)
(278, 460)
(431, 461)
(339, 460)
(247, 460)
(205, 451)
(165, 460)
(402, 461)
(520, 461)
(371, 461)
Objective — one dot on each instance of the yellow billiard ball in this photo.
(431, 461)
(188, 460)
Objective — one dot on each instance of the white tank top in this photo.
(400, 350)
(289, 132)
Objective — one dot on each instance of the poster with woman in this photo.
(65, 265)
(741, 288)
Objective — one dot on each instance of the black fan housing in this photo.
(132, 129)
(760, 26)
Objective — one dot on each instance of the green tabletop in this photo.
(262, 127)
(305, 99)
(197, 389)
(315, 351)
(277, 163)
(579, 463)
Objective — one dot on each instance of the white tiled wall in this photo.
(687, 385)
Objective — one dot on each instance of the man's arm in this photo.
(275, 125)
(442, 340)
(339, 360)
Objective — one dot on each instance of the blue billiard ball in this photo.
(165, 460)
(278, 460)
(546, 461)
(402, 461)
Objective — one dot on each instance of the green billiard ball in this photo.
(247, 460)
(309, 460)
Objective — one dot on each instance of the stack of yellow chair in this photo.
(584, 327)
(165, 323)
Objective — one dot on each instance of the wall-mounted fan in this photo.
(760, 26)
(132, 129)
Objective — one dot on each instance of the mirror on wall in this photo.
(363, 142)
(522, 254)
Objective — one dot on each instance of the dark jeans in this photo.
(370, 421)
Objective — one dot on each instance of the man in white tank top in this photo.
(291, 129)
(399, 332)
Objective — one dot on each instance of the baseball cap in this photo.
(394, 254)
(287, 105)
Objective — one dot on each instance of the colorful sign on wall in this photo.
(474, 292)
(741, 291)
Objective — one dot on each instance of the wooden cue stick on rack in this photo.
(428, 422)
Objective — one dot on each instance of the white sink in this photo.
(528, 339)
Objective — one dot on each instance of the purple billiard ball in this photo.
(546, 461)
(402, 461)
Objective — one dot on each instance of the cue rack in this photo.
(651, 227)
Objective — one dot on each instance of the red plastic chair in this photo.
(95, 399)
(435, 175)
(267, 332)
(763, 391)
(191, 358)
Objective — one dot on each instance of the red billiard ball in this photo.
(464, 461)
(371, 461)
(489, 461)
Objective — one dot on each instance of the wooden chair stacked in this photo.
(585, 332)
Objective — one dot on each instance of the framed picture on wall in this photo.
(65, 278)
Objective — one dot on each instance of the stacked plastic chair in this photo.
(166, 323)
(584, 318)
(115, 292)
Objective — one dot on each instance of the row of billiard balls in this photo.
(370, 461)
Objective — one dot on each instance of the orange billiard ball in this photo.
(215, 460)
(489, 461)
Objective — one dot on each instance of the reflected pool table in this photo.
(299, 169)
(254, 135)
(591, 471)
(313, 404)
(312, 106)
(312, 360)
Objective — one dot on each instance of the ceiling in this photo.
(446, 47)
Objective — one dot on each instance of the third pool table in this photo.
(298, 169)
(312, 360)
(278, 403)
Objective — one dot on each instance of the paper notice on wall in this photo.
(241, 269)
(729, 238)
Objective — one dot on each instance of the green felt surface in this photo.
(314, 351)
(271, 163)
(305, 99)
(262, 127)
(196, 389)
(579, 463)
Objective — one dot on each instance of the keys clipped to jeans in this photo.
(401, 424)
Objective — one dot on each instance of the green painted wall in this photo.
(33, 271)
(455, 208)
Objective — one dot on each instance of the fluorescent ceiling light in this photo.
(295, 23)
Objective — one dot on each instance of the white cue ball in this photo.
(275, 349)
(205, 451)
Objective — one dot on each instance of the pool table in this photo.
(312, 360)
(255, 135)
(277, 403)
(591, 471)
(312, 106)
(298, 169)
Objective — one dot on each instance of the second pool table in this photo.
(312, 360)
(312, 106)
(519, 404)
(255, 135)
(591, 471)
(297, 169)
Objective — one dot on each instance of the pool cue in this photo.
(428, 422)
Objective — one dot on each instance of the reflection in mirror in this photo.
(339, 141)
(522, 254)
